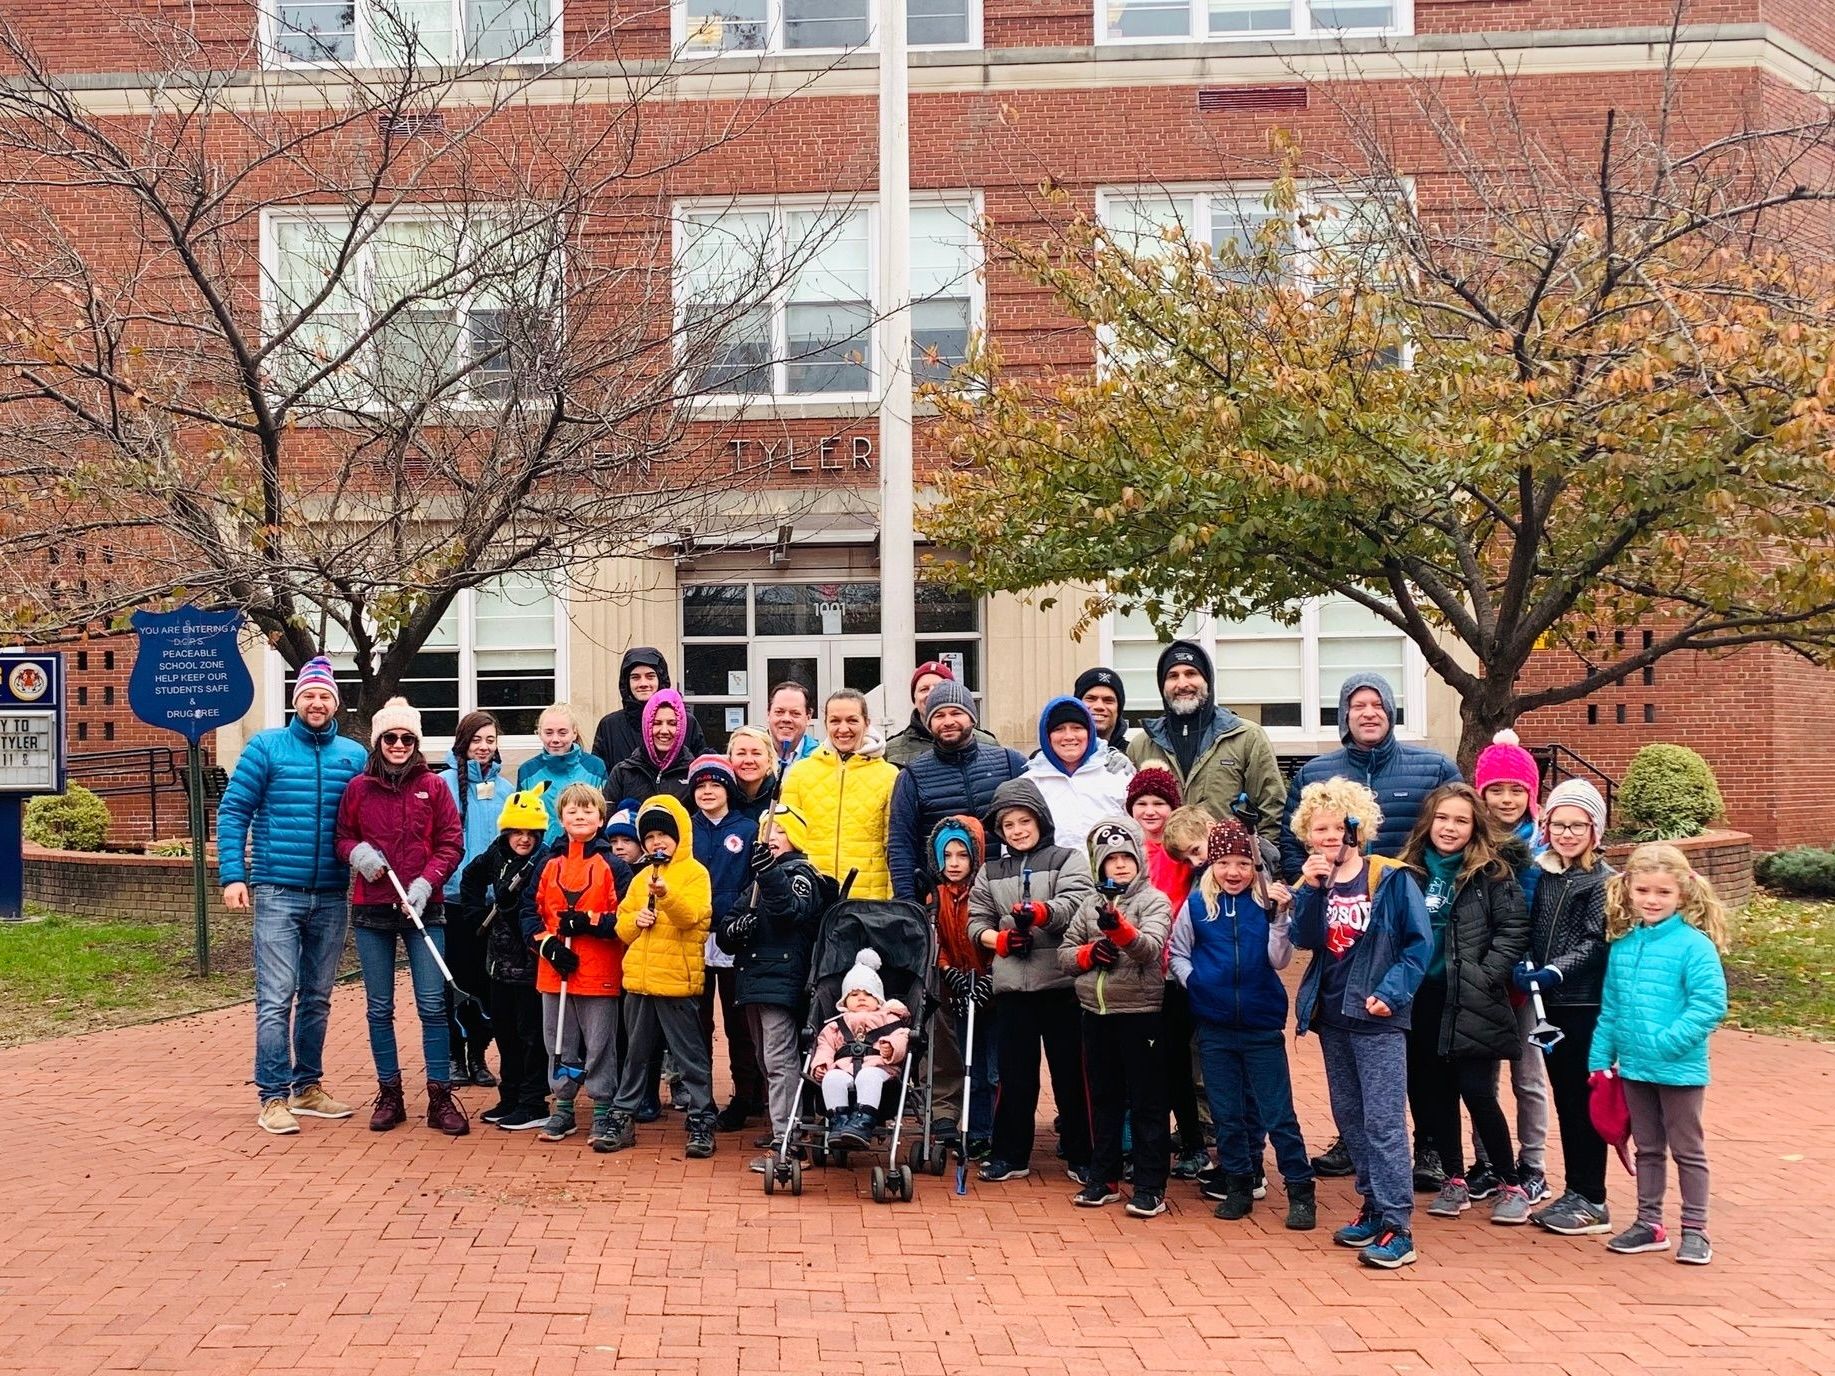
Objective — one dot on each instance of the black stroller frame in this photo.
(905, 938)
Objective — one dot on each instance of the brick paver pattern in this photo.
(149, 1226)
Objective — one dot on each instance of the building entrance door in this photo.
(824, 664)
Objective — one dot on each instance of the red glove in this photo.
(1124, 933)
(1086, 955)
(1033, 914)
(1013, 942)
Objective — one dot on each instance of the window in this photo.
(705, 27)
(781, 300)
(399, 33)
(496, 649)
(1235, 222)
(1137, 21)
(1285, 678)
(421, 305)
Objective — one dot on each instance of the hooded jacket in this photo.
(619, 733)
(1665, 994)
(1057, 876)
(949, 897)
(1487, 932)
(590, 870)
(1079, 797)
(941, 783)
(666, 960)
(1400, 775)
(1136, 983)
(557, 771)
(1227, 953)
(284, 796)
(493, 890)
(413, 821)
(643, 772)
(1567, 929)
(477, 814)
(788, 899)
(902, 747)
(1389, 960)
(1232, 756)
(844, 809)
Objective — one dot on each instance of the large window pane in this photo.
(412, 33)
(940, 610)
(714, 609)
(501, 30)
(967, 652)
(830, 347)
(825, 23)
(1352, 14)
(726, 25)
(1149, 19)
(723, 275)
(317, 30)
(816, 608)
(1260, 678)
(930, 22)
(1246, 18)
(706, 669)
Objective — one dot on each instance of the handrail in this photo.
(1552, 758)
(139, 771)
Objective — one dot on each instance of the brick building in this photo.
(1128, 108)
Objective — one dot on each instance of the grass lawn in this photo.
(1781, 970)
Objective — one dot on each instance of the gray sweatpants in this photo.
(774, 1034)
(1367, 1076)
(591, 1041)
(676, 1024)
(1666, 1122)
(1529, 1087)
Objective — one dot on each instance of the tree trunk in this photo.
(1482, 714)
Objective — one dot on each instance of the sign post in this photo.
(189, 677)
(31, 758)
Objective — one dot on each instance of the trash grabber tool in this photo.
(968, 1091)
(1544, 1036)
(464, 1004)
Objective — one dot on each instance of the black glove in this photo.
(575, 923)
(981, 989)
(955, 985)
(1105, 953)
(740, 932)
(1107, 918)
(564, 961)
(761, 859)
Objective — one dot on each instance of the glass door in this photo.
(822, 664)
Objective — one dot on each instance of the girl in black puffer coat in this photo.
(1463, 1023)
(491, 893)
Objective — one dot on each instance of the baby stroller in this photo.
(906, 940)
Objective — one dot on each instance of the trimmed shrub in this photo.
(1669, 794)
(1804, 871)
(73, 820)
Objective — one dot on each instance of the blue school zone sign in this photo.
(188, 674)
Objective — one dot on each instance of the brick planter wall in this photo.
(1723, 858)
(86, 884)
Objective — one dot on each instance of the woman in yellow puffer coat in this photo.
(840, 799)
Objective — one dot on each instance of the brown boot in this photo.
(444, 1113)
(390, 1109)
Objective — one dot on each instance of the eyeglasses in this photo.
(399, 738)
(1569, 828)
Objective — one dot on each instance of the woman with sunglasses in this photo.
(396, 816)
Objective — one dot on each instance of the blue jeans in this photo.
(298, 937)
(1367, 1076)
(376, 954)
(1251, 1091)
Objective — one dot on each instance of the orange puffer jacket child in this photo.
(596, 879)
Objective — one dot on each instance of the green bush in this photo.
(1669, 793)
(1804, 871)
(73, 820)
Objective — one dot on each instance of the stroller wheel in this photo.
(907, 1184)
(919, 1159)
(796, 1177)
(939, 1160)
(770, 1177)
(818, 1156)
(879, 1184)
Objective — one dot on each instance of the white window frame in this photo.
(1197, 28)
(271, 55)
(1311, 733)
(780, 209)
(361, 267)
(274, 703)
(679, 35)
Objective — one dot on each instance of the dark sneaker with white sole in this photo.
(1481, 1182)
(1147, 1204)
(1640, 1237)
(1095, 1195)
(1695, 1249)
(995, 1170)
(1573, 1215)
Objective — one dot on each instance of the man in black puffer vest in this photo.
(956, 775)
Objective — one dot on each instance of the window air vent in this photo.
(411, 126)
(1252, 98)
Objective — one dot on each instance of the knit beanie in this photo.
(317, 674)
(395, 715)
(1228, 837)
(1504, 761)
(1574, 793)
(1156, 782)
(623, 823)
(863, 975)
(715, 767)
(931, 666)
(949, 693)
(658, 819)
(1067, 711)
(1101, 677)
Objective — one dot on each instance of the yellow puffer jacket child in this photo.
(839, 810)
(666, 960)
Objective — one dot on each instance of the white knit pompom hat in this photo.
(864, 975)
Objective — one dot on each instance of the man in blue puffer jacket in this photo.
(286, 790)
(1400, 775)
(958, 774)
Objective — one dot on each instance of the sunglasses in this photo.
(399, 738)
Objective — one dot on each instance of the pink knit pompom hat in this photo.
(1504, 761)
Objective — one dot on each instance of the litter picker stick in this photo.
(1544, 1035)
(562, 1067)
(968, 1091)
(462, 1001)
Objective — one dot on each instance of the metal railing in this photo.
(144, 772)
(1558, 762)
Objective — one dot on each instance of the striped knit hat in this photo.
(317, 674)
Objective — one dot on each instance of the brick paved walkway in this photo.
(149, 1226)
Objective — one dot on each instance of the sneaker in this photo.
(1429, 1173)
(523, 1119)
(1336, 1161)
(314, 1102)
(1454, 1199)
(733, 1117)
(561, 1123)
(994, 1170)
(1512, 1207)
(700, 1136)
(1213, 1184)
(1146, 1204)
(496, 1113)
(1572, 1215)
(649, 1110)
(1535, 1185)
(1362, 1230)
(277, 1118)
(1481, 1182)
(1260, 1188)
(1640, 1237)
(1079, 1175)
(1190, 1166)
(1695, 1250)
(979, 1149)
(1390, 1251)
(1095, 1194)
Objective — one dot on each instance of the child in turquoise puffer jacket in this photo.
(1665, 992)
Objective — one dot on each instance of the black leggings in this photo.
(1438, 1084)
(1583, 1151)
(1175, 1060)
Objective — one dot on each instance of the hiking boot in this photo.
(1190, 1165)
(277, 1118)
(1302, 1207)
(994, 1170)
(1534, 1183)
(734, 1117)
(1335, 1161)
(1147, 1204)
(480, 1072)
(1481, 1182)
(1095, 1194)
(390, 1107)
(445, 1113)
(314, 1102)
(1572, 1215)
(1453, 1200)
(1512, 1207)
(1238, 1197)
(1695, 1250)
(1429, 1173)
(1362, 1230)
(524, 1118)
(1640, 1237)
(560, 1123)
(611, 1131)
(700, 1135)
(1390, 1251)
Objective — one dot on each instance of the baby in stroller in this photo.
(859, 1052)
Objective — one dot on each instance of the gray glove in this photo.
(418, 894)
(367, 861)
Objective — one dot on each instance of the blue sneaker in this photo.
(1362, 1230)
(1390, 1251)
